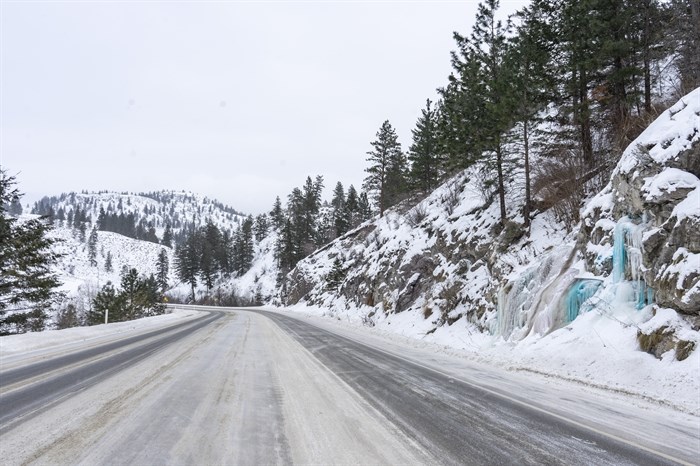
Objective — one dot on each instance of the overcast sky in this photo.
(237, 101)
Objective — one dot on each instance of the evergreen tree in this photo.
(277, 215)
(341, 222)
(225, 254)
(108, 262)
(92, 247)
(244, 247)
(15, 208)
(335, 277)
(310, 208)
(386, 178)
(187, 262)
(82, 229)
(167, 239)
(365, 209)
(210, 239)
(162, 270)
(352, 208)
(107, 303)
(423, 155)
(325, 228)
(150, 297)
(131, 287)
(102, 219)
(261, 227)
(27, 285)
(684, 29)
(286, 251)
(532, 83)
(487, 47)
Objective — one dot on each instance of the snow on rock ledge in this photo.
(656, 184)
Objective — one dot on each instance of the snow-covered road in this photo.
(248, 387)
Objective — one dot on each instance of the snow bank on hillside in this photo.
(261, 279)
(668, 135)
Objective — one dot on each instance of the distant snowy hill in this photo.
(181, 210)
(133, 216)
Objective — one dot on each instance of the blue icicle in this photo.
(581, 291)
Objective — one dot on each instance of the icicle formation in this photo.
(523, 304)
(627, 256)
(581, 291)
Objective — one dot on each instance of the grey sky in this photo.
(237, 101)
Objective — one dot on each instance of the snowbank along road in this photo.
(256, 387)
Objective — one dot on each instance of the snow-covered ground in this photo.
(39, 344)
(74, 269)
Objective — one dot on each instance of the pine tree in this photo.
(306, 227)
(108, 262)
(365, 209)
(335, 277)
(101, 219)
(386, 178)
(131, 287)
(187, 262)
(352, 208)
(15, 208)
(27, 285)
(286, 251)
(244, 247)
(210, 239)
(107, 303)
(150, 297)
(487, 46)
(162, 269)
(684, 28)
(92, 248)
(423, 155)
(340, 220)
(276, 215)
(261, 227)
(225, 254)
(167, 239)
(532, 83)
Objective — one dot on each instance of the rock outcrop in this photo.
(656, 185)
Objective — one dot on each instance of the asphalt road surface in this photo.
(256, 387)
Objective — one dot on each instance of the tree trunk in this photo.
(645, 56)
(526, 147)
(501, 188)
(585, 122)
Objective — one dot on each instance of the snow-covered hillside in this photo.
(612, 303)
(182, 210)
(75, 271)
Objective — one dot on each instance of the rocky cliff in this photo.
(448, 259)
(653, 200)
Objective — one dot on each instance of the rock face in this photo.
(656, 185)
(437, 259)
(449, 258)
